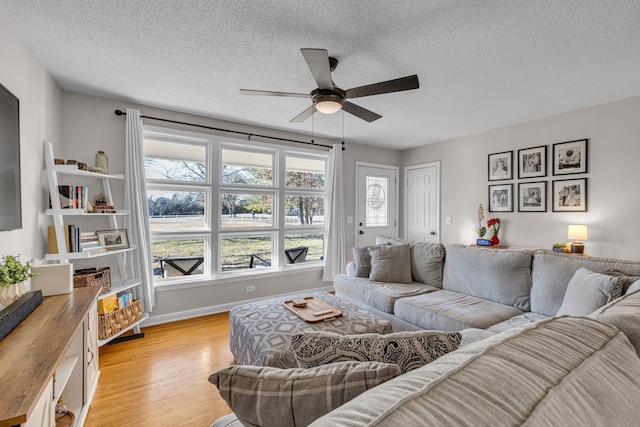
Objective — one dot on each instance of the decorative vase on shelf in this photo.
(494, 240)
(12, 292)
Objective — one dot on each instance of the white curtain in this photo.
(135, 200)
(334, 255)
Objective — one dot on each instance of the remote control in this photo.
(320, 313)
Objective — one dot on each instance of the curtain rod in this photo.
(248, 134)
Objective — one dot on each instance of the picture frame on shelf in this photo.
(500, 166)
(532, 162)
(501, 198)
(113, 239)
(569, 195)
(532, 196)
(570, 157)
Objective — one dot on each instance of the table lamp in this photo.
(576, 233)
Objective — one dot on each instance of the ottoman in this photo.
(261, 331)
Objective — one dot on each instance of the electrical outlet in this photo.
(251, 288)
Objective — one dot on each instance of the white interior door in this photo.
(422, 203)
(377, 206)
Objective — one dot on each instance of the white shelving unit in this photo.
(59, 216)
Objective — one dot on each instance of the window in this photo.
(219, 207)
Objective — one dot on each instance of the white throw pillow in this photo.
(587, 291)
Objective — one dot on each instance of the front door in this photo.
(421, 195)
(376, 207)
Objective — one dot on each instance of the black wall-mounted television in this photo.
(10, 205)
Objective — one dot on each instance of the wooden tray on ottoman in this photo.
(314, 305)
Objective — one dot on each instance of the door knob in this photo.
(360, 232)
(433, 233)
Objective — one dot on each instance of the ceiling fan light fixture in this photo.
(328, 107)
(328, 103)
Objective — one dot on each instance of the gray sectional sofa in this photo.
(548, 339)
(475, 287)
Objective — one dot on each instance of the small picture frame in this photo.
(532, 162)
(501, 198)
(532, 196)
(570, 195)
(113, 239)
(570, 157)
(501, 166)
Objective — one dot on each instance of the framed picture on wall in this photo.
(501, 198)
(501, 166)
(532, 196)
(570, 195)
(570, 157)
(532, 162)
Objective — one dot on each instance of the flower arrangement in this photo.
(12, 270)
(480, 230)
(494, 223)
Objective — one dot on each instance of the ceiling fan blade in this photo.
(304, 115)
(318, 62)
(396, 85)
(360, 112)
(271, 93)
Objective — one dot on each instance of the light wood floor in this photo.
(162, 379)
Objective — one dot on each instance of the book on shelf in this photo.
(102, 209)
(71, 238)
(72, 197)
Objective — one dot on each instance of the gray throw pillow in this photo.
(390, 263)
(362, 260)
(625, 280)
(409, 350)
(268, 396)
(587, 291)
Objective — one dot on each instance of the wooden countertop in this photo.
(30, 354)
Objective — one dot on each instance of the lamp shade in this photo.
(578, 232)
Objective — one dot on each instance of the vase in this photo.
(12, 292)
(494, 240)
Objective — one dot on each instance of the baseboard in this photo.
(214, 309)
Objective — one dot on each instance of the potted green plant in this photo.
(13, 276)
(559, 247)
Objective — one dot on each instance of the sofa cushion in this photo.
(557, 372)
(502, 276)
(452, 311)
(551, 273)
(390, 263)
(379, 295)
(427, 259)
(268, 396)
(520, 320)
(587, 291)
(623, 313)
(408, 350)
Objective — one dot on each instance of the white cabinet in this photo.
(114, 221)
(59, 337)
(43, 411)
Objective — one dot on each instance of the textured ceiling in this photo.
(481, 64)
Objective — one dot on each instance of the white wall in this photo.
(89, 124)
(613, 130)
(25, 77)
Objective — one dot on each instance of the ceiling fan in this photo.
(329, 98)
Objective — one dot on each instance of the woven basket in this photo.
(111, 323)
(102, 277)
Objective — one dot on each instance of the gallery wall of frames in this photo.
(556, 179)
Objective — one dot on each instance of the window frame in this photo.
(213, 232)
